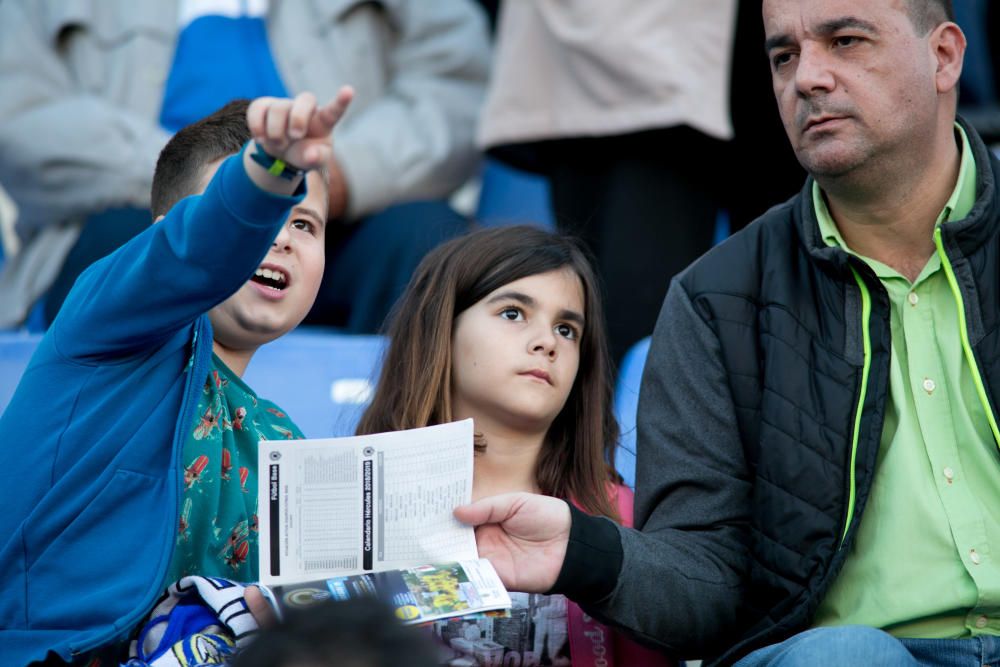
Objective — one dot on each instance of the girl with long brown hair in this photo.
(505, 326)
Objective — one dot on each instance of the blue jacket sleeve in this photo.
(202, 252)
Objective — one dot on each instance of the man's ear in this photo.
(948, 45)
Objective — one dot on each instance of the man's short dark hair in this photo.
(181, 165)
(929, 14)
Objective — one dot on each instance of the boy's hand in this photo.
(297, 131)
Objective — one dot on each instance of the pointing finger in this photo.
(328, 115)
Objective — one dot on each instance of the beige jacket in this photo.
(571, 68)
(81, 85)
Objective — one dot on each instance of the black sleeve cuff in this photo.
(593, 559)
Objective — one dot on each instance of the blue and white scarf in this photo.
(200, 621)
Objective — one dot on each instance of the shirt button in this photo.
(912, 298)
(929, 385)
(949, 475)
(982, 621)
(974, 556)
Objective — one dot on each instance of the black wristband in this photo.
(273, 165)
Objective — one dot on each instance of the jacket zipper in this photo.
(190, 394)
(866, 313)
(963, 330)
(966, 348)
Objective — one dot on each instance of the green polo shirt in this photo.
(922, 564)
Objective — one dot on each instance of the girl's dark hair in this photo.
(414, 389)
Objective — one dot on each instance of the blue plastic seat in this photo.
(16, 349)
(626, 407)
(511, 196)
(323, 380)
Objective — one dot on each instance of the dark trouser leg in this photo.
(646, 205)
(760, 157)
(102, 234)
(369, 263)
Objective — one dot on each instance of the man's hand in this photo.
(524, 535)
(296, 131)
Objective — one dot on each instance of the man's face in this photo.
(855, 83)
(284, 288)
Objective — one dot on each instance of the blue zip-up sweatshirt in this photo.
(90, 444)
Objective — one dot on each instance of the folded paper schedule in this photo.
(372, 515)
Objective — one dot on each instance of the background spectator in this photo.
(624, 106)
(91, 92)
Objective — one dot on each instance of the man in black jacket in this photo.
(818, 468)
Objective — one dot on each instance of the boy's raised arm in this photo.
(295, 133)
(206, 248)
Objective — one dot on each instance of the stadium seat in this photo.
(626, 405)
(323, 380)
(16, 349)
(510, 196)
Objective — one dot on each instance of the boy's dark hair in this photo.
(181, 165)
(929, 14)
(357, 633)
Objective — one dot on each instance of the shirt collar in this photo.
(962, 199)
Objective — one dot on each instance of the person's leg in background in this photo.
(368, 263)
(761, 161)
(978, 85)
(646, 204)
(993, 35)
(102, 233)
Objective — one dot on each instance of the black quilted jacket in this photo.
(754, 462)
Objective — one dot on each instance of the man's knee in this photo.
(843, 645)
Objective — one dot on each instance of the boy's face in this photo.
(284, 288)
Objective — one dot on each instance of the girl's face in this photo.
(515, 353)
